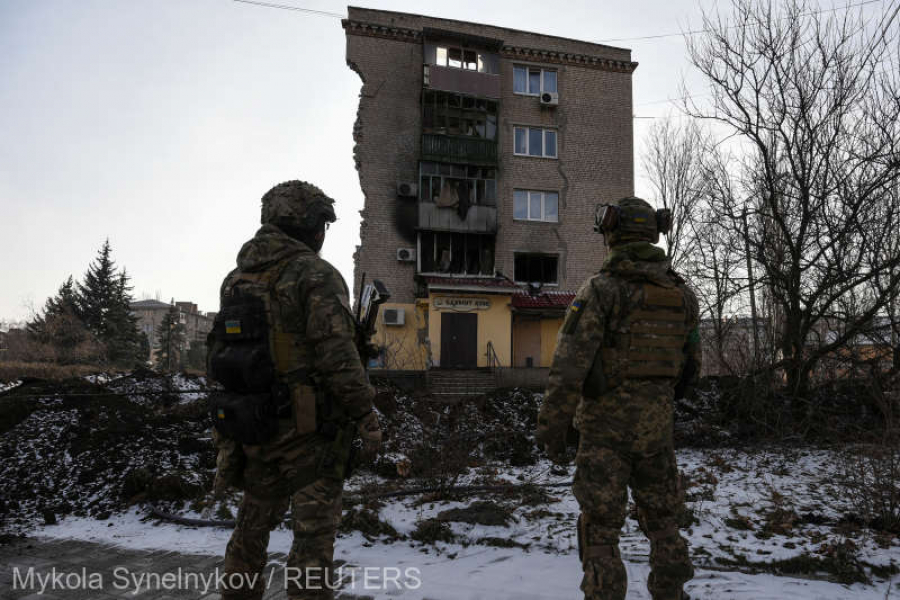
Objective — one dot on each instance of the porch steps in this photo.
(454, 384)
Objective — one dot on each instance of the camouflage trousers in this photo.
(315, 516)
(602, 479)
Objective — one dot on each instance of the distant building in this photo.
(150, 314)
(482, 152)
(12, 335)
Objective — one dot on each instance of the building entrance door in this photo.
(459, 340)
(527, 342)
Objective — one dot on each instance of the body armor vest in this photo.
(646, 342)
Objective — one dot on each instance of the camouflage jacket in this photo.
(312, 302)
(579, 385)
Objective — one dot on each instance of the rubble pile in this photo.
(86, 448)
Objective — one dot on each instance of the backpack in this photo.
(240, 359)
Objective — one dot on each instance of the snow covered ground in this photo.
(8, 386)
(748, 509)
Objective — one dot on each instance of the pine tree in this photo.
(124, 343)
(65, 303)
(104, 301)
(61, 330)
(171, 340)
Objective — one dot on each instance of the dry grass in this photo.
(15, 370)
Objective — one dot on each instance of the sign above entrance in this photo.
(462, 304)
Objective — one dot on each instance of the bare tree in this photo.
(672, 161)
(813, 100)
(716, 265)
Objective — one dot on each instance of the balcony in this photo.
(479, 219)
(459, 149)
(450, 79)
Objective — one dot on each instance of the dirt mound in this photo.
(433, 440)
(88, 449)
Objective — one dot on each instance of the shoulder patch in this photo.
(573, 315)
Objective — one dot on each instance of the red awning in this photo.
(558, 300)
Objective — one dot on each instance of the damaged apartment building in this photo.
(482, 152)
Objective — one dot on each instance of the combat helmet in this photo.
(296, 206)
(631, 220)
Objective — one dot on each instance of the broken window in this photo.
(456, 253)
(436, 178)
(460, 58)
(470, 60)
(454, 58)
(536, 268)
(457, 114)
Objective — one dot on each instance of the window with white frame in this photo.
(532, 205)
(533, 81)
(535, 141)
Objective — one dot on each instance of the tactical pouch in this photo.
(240, 358)
(246, 418)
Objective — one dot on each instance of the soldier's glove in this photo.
(552, 439)
(370, 433)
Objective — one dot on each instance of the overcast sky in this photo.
(159, 124)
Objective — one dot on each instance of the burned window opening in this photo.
(456, 114)
(456, 253)
(439, 182)
(536, 268)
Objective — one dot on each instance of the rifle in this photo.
(371, 297)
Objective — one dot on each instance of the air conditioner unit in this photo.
(407, 189)
(406, 254)
(394, 316)
(549, 99)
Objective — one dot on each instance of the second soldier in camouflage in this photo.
(628, 341)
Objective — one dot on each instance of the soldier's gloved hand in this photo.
(370, 433)
(552, 439)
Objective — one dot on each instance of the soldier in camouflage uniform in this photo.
(629, 345)
(312, 338)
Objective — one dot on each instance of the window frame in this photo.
(528, 195)
(479, 60)
(486, 242)
(476, 198)
(528, 69)
(544, 130)
(439, 107)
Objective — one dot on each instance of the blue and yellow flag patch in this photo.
(572, 317)
(232, 327)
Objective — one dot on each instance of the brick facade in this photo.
(593, 121)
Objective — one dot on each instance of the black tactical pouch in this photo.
(246, 418)
(239, 345)
(239, 359)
